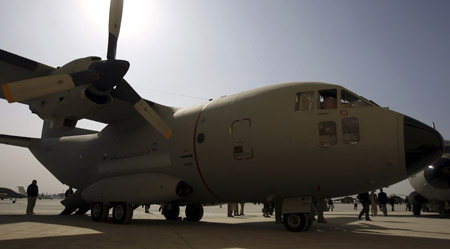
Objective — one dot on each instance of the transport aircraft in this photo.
(292, 143)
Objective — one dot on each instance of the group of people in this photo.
(233, 209)
(370, 202)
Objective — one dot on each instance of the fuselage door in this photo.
(242, 145)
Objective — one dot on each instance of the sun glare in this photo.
(136, 16)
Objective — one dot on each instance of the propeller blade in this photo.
(153, 118)
(125, 92)
(115, 19)
(41, 86)
(37, 87)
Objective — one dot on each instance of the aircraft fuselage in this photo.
(277, 141)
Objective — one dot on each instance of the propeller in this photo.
(125, 92)
(103, 75)
(115, 19)
(106, 76)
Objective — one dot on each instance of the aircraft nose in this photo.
(423, 145)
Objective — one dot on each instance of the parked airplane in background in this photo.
(6, 193)
(22, 190)
(290, 143)
(432, 186)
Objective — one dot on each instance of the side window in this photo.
(328, 99)
(350, 100)
(350, 130)
(327, 133)
(304, 101)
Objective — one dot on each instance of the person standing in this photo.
(373, 203)
(391, 201)
(365, 201)
(32, 192)
(242, 208)
(383, 200)
(230, 209)
(330, 204)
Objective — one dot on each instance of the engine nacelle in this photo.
(438, 174)
(137, 189)
(77, 65)
(63, 110)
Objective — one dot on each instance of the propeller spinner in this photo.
(106, 76)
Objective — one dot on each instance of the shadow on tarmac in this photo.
(340, 232)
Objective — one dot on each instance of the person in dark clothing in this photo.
(383, 200)
(69, 192)
(32, 192)
(364, 198)
(392, 201)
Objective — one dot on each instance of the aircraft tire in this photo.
(122, 213)
(99, 211)
(442, 213)
(194, 212)
(297, 222)
(310, 221)
(171, 211)
(416, 210)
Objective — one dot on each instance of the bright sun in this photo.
(136, 17)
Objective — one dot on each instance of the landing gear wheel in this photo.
(310, 221)
(442, 213)
(194, 212)
(122, 213)
(416, 210)
(296, 222)
(171, 211)
(99, 211)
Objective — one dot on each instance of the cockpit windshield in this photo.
(350, 100)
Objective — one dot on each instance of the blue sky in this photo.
(394, 52)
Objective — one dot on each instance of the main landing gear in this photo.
(297, 222)
(194, 212)
(122, 212)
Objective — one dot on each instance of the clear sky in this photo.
(394, 52)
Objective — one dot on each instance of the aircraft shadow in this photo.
(339, 232)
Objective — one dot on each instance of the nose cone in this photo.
(423, 145)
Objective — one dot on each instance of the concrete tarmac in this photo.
(47, 229)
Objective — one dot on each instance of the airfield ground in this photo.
(47, 229)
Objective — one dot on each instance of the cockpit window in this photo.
(328, 99)
(304, 101)
(349, 100)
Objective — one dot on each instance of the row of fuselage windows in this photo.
(328, 99)
(328, 132)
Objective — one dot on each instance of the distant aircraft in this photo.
(6, 193)
(432, 187)
(44, 196)
(22, 190)
(290, 143)
(346, 200)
